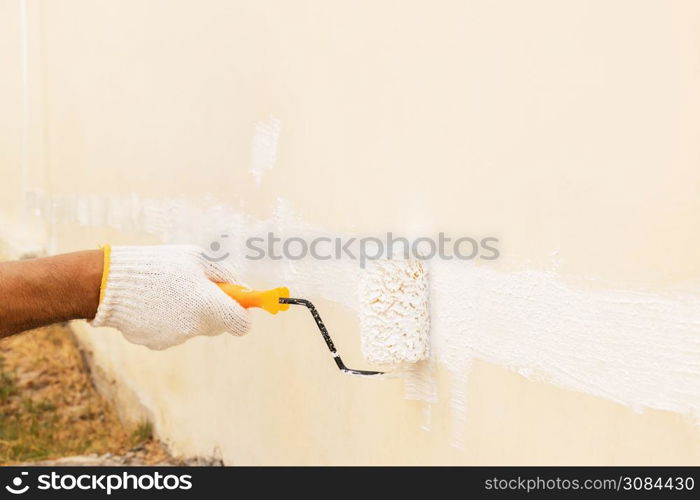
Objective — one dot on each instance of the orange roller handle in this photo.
(264, 299)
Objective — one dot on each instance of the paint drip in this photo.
(264, 149)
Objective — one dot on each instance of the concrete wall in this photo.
(566, 129)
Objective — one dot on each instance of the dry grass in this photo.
(49, 407)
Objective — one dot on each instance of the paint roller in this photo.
(394, 312)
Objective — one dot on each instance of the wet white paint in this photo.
(641, 349)
(637, 348)
(394, 311)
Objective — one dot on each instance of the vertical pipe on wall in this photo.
(34, 154)
(24, 75)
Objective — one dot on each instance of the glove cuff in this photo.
(118, 294)
(107, 255)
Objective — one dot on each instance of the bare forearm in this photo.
(39, 292)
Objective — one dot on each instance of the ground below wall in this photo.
(51, 412)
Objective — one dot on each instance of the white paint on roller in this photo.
(264, 150)
(394, 311)
(640, 349)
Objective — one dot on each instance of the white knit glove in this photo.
(160, 296)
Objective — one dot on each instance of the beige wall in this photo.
(22, 118)
(11, 104)
(568, 129)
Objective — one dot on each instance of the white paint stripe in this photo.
(641, 349)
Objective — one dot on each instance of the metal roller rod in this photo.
(326, 336)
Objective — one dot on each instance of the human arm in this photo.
(38, 292)
(158, 296)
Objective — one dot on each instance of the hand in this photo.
(160, 296)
